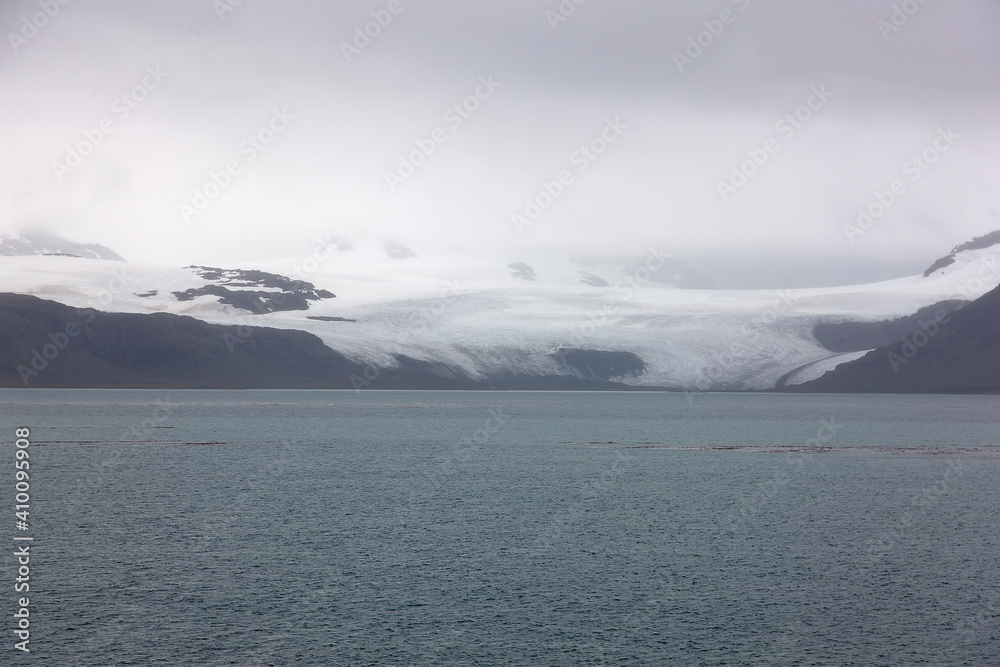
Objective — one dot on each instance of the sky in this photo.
(747, 137)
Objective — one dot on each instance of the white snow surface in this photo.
(477, 317)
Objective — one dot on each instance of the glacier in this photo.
(485, 319)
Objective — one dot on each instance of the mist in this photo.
(749, 138)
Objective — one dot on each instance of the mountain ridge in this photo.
(437, 321)
(956, 352)
(42, 243)
(978, 243)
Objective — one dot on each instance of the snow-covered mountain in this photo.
(41, 243)
(979, 243)
(535, 315)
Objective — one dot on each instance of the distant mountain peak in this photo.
(978, 243)
(397, 250)
(666, 271)
(522, 271)
(42, 243)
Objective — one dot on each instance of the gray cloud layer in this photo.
(344, 125)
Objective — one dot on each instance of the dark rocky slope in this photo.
(48, 344)
(854, 336)
(954, 353)
(292, 294)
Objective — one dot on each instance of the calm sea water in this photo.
(446, 528)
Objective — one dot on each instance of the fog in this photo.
(743, 135)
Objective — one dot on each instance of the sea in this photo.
(254, 528)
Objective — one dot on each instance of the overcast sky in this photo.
(117, 114)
